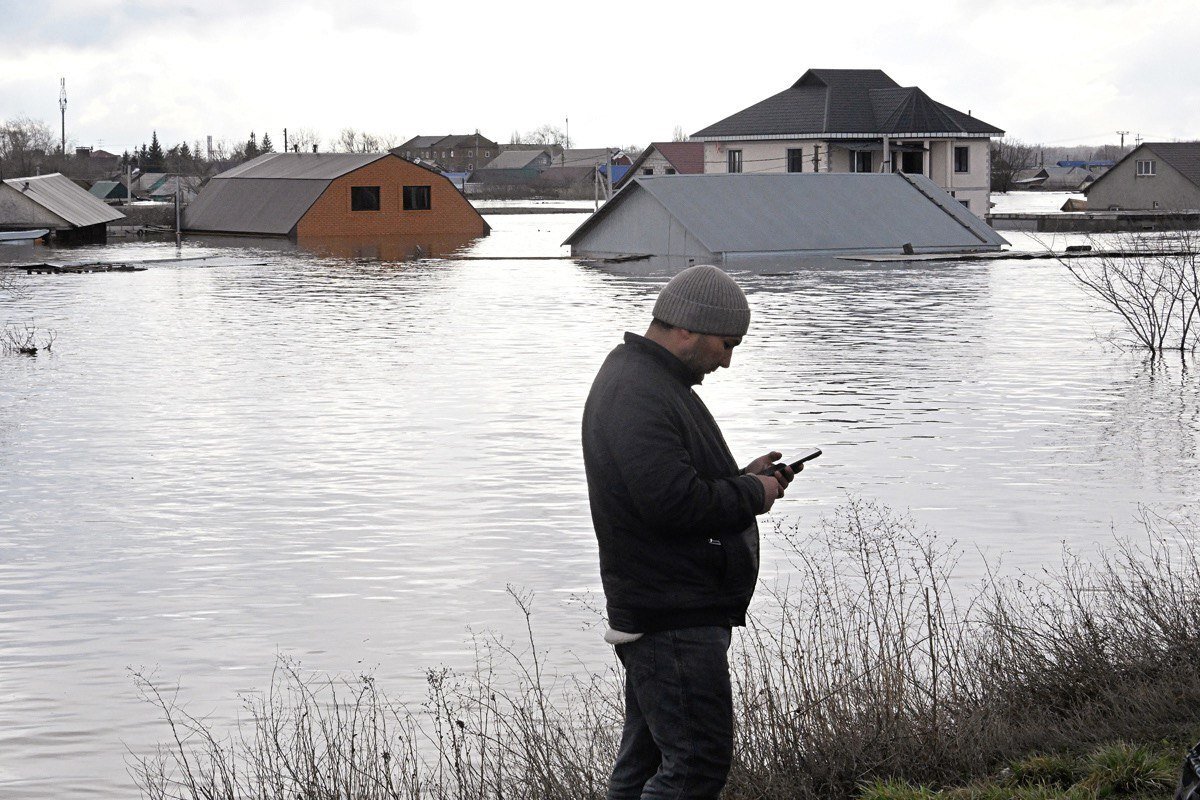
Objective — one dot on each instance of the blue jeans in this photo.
(678, 736)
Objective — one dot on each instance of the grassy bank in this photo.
(863, 676)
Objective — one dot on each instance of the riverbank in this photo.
(869, 677)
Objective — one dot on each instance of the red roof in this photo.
(686, 157)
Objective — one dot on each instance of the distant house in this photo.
(1054, 178)
(667, 158)
(771, 218)
(590, 157)
(452, 153)
(332, 195)
(110, 191)
(56, 202)
(146, 182)
(511, 169)
(188, 187)
(1161, 176)
(856, 120)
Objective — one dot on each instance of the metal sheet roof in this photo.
(267, 205)
(60, 195)
(302, 166)
(814, 212)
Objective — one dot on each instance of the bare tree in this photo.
(1010, 156)
(26, 145)
(355, 141)
(1152, 281)
(303, 139)
(679, 135)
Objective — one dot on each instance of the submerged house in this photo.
(1155, 176)
(732, 218)
(333, 195)
(856, 120)
(55, 202)
(667, 158)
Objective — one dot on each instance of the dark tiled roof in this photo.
(1184, 157)
(837, 101)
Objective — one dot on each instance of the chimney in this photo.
(314, 148)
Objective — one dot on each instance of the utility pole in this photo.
(1137, 140)
(285, 147)
(62, 107)
(1122, 134)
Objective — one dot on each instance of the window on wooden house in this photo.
(795, 159)
(1145, 168)
(647, 170)
(364, 198)
(962, 159)
(733, 160)
(417, 198)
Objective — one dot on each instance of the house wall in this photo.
(639, 225)
(1121, 187)
(449, 212)
(18, 211)
(656, 162)
(771, 156)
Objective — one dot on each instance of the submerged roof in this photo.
(847, 101)
(62, 196)
(809, 212)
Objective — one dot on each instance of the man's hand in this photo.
(764, 463)
(772, 491)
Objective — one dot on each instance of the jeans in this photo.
(678, 737)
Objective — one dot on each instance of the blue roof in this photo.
(618, 170)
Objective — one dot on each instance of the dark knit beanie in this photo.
(703, 299)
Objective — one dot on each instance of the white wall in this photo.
(771, 156)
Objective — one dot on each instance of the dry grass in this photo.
(865, 676)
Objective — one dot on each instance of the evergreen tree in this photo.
(126, 159)
(185, 152)
(156, 153)
(266, 147)
(143, 156)
(252, 150)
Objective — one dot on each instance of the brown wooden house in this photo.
(362, 195)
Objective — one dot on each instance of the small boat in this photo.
(21, 237)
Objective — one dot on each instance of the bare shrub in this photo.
(26, 339)
(864, 675)
(1152, 281)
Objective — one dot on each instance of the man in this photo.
(675, 521)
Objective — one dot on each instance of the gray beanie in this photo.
(703, 299)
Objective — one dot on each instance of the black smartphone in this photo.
(805, 455)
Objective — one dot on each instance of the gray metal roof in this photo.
(514, 159)
(813, 212)
(62, 196)
(266, 205)
(302, 166)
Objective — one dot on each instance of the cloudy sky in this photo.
(1046, 71)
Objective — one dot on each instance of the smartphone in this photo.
(805, 455)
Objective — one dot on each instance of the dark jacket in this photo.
(673, 515)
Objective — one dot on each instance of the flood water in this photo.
(347, 460)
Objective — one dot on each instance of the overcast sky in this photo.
(624, 73)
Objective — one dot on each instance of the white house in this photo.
(856, 120)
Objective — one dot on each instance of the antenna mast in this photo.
(62, 107)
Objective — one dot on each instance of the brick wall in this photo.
(450, 212)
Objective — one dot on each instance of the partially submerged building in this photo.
(772, 218)
(333, 195)
(856, 120)
(55, 202)
(667, 158)
(1155, 176)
